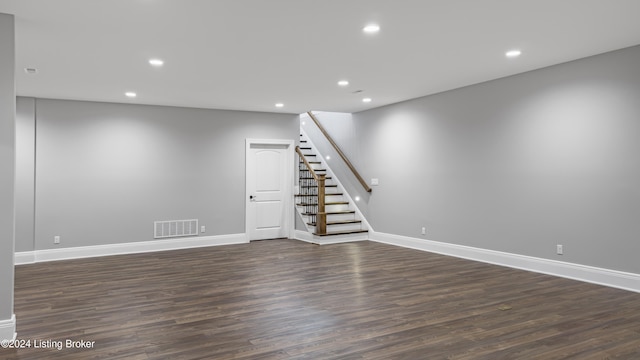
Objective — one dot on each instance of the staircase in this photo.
(343, 221)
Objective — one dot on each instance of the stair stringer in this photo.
(308, 236)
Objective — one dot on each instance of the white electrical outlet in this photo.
(424, 230)
(375, 182)
(559, 249)
(56, 239)
(203, 229)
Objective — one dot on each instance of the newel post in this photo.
(321, 225)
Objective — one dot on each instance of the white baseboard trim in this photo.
(590, 274)
(24, 257)
(8, 329)
(321, 240)
(303, 236)
(28, 257)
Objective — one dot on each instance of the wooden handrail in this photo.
(342, 155)
(321, 215)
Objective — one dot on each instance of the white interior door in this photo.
(269, 189)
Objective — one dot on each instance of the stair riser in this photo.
(329, 186)
(333, 217)
(341, 217)
(328, 197)
(343, 227)
(332, 208)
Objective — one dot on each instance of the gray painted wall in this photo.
(25, 174)
(105, 172)
(7, 163)
(518, 164)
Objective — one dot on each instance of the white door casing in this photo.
(269, 188)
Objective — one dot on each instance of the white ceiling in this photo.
(251, 54)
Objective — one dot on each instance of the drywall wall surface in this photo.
(518, 164)
(7, 172)
(105, 172)
(25, 174)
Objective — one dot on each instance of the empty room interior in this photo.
(291, 179)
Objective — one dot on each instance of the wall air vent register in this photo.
(175, 228)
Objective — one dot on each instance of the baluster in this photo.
(312, 191)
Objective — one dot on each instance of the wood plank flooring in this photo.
(285, 299)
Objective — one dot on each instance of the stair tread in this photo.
(314, 186)
(346, 232)
(343, 222)
(326, 194)
(333, 212)
(327, 203)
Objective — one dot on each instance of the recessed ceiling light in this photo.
(371, 28)
(156, 62)
(328, 157)
(343, 83)
(131, 94)
(366, 100)
(279, 105)
(30, 70)
(513, 53)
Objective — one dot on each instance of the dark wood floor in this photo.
(284, 299)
